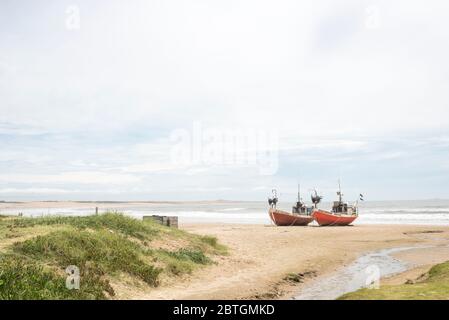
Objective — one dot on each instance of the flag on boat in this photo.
(361, 197)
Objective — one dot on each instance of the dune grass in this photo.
(25, 279)
(213, 242)
(182, 261)
(103, 247)
(433, 286)
(110, 220)
(99, 252)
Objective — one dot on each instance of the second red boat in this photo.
(341, 214)
(325, 218)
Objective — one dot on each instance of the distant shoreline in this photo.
(199, 201)
(140, 201)
(249, 212)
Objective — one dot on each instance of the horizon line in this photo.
(216, 200)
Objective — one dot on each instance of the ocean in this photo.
(430, 212)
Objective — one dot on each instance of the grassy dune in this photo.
(432, 286)
(34, 253)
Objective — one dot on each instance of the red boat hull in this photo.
(325, 218)
(282, 218)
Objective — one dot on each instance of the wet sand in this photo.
(421, 260)
(261, 257)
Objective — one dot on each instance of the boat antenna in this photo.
(299, 192)
(339, 190)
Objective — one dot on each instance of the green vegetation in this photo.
(36, 251)
(212, 241)
(111, 220)
(183, 260)
(195, 256)
(22, 279)
(98, 252)
(432, 286)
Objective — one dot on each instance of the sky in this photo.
(207, 99)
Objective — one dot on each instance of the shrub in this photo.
(96, 252)
(195, 256)
(24, 279)
(110, 220)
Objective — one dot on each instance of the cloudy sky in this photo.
(115, 100)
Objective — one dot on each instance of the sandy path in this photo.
(261, 256)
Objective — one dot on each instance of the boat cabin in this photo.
(301, 208)
(340, 207)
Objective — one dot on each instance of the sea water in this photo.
(431, 212)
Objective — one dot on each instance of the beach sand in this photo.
(260, 257)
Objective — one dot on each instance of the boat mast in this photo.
(339, 190)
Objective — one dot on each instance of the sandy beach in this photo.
(260, 258)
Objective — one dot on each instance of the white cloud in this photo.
(70, 178)
(37, 191)
(248, 63)
(81, 111)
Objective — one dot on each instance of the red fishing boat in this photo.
(301, 215)
(283, 218)
(326, 218)
(341, 214)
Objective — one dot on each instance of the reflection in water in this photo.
(359, 274)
